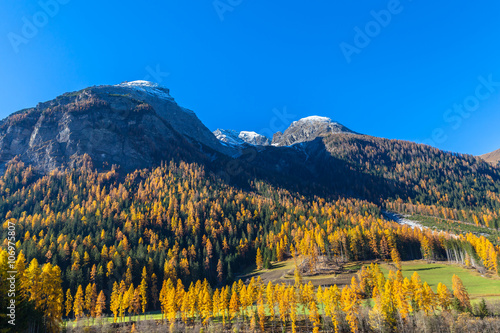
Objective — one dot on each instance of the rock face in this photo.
(308, 129)
(254, 138)
(234, 138)
(134, 125)
(493, 157)
(228, 137)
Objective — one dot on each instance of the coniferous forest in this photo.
(175, 239)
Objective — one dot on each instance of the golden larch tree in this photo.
(78, 304)
(69, 302)
(258, 260)
(100, 306)
(460, 292)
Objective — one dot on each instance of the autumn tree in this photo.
(69, 302)
(100, 304)
(115, 300)
(144, 290)
(259, 261)
(78, 304)
(350, 305)
(460, 292)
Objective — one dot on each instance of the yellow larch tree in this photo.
(69, 302)
(206, 308)
(350, 305)
(100, 306)
(115, 300)
(270, 299)
(261, 310)
(216, 303)
(314, 316)
(78, 303)
(460, 292)
(88, 299)
(53, 296)
(443, 296)
(258, 260)
(144, 290)
(429, 299)
(33, 283)
(123, 299)
(234, 304)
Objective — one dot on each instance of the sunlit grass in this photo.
(478, 286)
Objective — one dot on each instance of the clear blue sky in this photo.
(267, 55)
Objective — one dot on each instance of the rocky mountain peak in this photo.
(133, 124)
(254, 138)
(308, 129)
(235, 138)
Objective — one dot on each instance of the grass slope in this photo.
(478, 286)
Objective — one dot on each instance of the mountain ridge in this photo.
(235, 138)
(122, 124)
(138, 124)
(493, 157)
(308, 129)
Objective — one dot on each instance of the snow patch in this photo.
(234, 138)
(249, 135)
(403, 220)
(254, 138)
(150, 88)
(313, 120)
(228, 137)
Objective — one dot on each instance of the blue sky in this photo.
(258, 65)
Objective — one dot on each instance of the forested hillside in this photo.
(178, 222)
(429, 181)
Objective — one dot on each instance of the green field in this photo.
(83, 322)
(478, 286)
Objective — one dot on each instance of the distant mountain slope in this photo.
(380, 170)
(493, 157)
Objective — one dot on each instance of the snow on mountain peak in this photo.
(308, 129)
(234, 138)
(228, 137)
(254, 138)
(148, 87)
(313, 119)
(140, 83)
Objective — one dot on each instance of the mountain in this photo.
(254, 138)
(228, 137)
(220, 205)
(137, 125)
(133, 124)
(493, 157)
(308, 129)
(234, 138)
